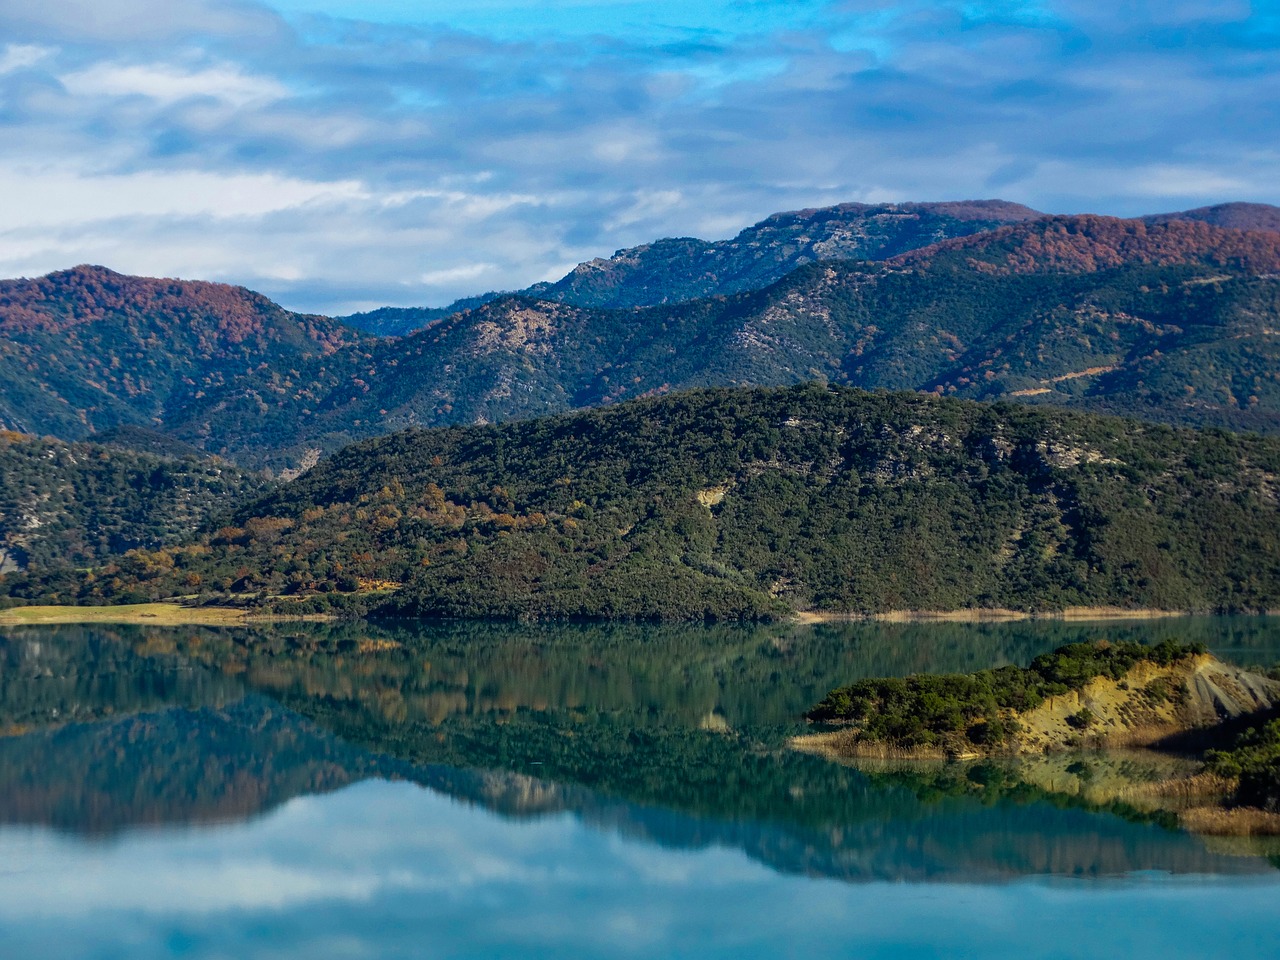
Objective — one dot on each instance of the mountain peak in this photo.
(115, 348)
(84, 270)
(964, 211)
(675, 270)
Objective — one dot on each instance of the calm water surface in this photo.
(480, 790)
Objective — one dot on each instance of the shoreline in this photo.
(994, 615)
(177, 614)
(152, 614)
(1197, 800)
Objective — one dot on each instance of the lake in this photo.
(483, 790)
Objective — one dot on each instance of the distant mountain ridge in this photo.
(1079, 244)
(1238, 216)
(1172, 320)
(685, 268)
(676, 269)
(1171, 335)
(671, 271)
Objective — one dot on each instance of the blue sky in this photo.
(340, 156)
(651, 21)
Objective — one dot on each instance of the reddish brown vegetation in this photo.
(88, 349)
(220, 314)
(1085, 243)
(1238, 216)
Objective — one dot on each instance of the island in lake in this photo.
(1099, 697)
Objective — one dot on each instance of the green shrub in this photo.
(921, 709)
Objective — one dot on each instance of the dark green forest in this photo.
(77, 504)
(731, 504)
(1254, 760)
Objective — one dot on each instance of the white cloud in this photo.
(1170, 180)
(624, 143)
(55, 197)
(470, 271)
(1144, 188)
(647, 205)
(167, 84)
(218, 887)
(19, 56)
(328, 246)
(349, 163)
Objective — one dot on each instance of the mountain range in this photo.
(1171, 318)
(686, 268)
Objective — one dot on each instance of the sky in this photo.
(340, 156)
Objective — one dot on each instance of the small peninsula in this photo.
(1085, 696)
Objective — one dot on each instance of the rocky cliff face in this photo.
(1149, 704)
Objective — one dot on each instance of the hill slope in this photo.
(1240, 216)
(1112, 695)
(80, 503)
(1100, 695)
(88, 349)
(752, 503)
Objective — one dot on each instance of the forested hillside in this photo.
(1240, 216)
(747, 503)
(79, 503)
(1085, 243)
(1182, 344)
(87, 349)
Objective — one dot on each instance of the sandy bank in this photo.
(154, 614)
(173, 614)
(986, 615)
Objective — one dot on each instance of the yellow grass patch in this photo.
(370, 645)
(161, 614)
(368, 585)
(1231, 822)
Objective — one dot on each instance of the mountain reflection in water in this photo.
(674, 736)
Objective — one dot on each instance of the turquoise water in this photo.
(351, 791)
